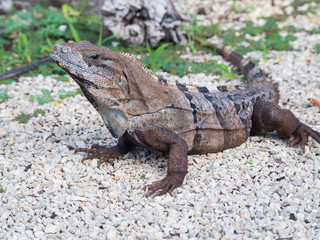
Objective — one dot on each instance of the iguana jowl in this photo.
(142, 109)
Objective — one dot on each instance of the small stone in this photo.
(268, 227)
(102, 204)
(113, 195)
(245, 214)
(112, 234)
(3, 132)
(29, 233)
(81, 144)
(39, 234)
(246, 227)
(300, 216)
(52, 229)
(292, 217)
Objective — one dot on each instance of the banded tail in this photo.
(254, 74)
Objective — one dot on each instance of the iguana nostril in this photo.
(64, 50)
(54, 49)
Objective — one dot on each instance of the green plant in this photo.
(64, 94)
(1, 189)
(143, 176)
(24, 47)
(238, 9)
(70, 15)
(63, 78)
(315, 30)
(3, 94)
(317, 47)
(109, 38)
(265, 52)
(24, 118)
(191, 33)
(154, 57)
(192, 44)
(222, 68)
(45, 98)
(249, 162)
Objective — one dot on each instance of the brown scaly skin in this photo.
(142, 109)
(266, 118)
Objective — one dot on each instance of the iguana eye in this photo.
(94, 56)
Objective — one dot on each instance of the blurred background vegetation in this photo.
(28, 35)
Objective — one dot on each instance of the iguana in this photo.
(141, 109)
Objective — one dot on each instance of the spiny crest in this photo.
(225, 88)
(140, 64)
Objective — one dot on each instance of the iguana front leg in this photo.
(266, 118)
(166, 141)
(105, 153)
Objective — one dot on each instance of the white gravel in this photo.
(262, 189)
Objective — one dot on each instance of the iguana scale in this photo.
(141, 109)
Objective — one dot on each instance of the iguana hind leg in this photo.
(105, 153)
(266, 118)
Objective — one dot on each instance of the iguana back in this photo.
(207, 121)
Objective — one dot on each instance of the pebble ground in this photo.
(263, 189)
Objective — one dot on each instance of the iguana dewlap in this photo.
(142, 109)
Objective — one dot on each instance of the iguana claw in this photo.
(165, 185)
(301, 136)
(105, 153)
(98, 151)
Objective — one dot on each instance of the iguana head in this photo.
(116, 84)
(97, 69)
(99, 73)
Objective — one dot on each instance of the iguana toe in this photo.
(164, 186)
(98, 151)
(300, 136)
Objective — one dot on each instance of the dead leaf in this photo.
(314, 102)
(14, 35)
(314, 19)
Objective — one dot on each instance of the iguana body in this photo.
(142, 109)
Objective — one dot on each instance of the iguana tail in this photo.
(254, 74)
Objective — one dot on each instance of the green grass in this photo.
(3, 95)
(64, 94)
(317, 47)
(44, 98)
(142, 176)
(24, 118)
(272, 37)
(250, 162)
(157, 62)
